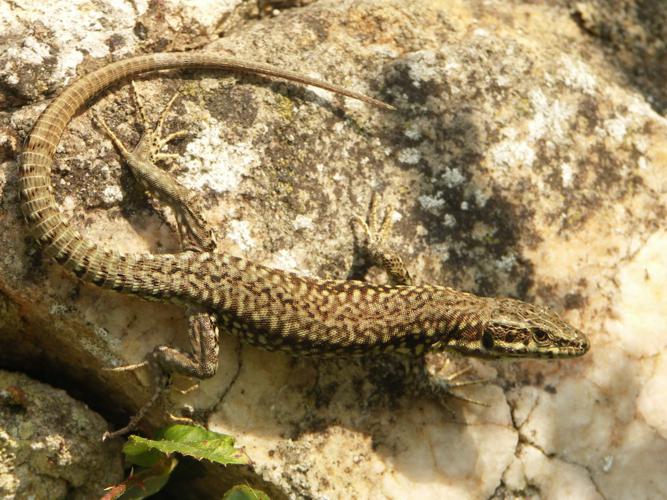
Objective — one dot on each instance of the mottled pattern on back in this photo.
(271, 308)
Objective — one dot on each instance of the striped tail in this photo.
(62, 242)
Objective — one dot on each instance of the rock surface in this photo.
(50, 443)
(525, 159)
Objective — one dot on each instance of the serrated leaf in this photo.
(193, 441)
(243, 492)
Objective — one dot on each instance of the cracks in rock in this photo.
(569, 462)
(524, 440)
(502, 486)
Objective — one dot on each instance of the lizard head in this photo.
(512, 328)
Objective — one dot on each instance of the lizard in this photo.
(265, 307)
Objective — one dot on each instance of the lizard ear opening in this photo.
(487, 340)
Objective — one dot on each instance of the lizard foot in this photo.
(152, 142)
(127, 368)
(442, 387)
(376, 236)
(161, 385)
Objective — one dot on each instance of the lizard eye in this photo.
(540, 336)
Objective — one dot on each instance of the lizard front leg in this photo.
(377, 248)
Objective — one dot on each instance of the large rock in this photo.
(522, 161)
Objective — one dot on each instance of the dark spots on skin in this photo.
(61, 259)
(200, 275)
(454, 335)
(218, 277)
(235, 278)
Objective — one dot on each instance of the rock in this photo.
(50, 444)
(521, 161)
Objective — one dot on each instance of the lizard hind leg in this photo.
(202, 362)
(165, 360)
(194, 232)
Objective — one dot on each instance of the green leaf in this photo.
(243, 492)
(193, 441)
(144, 483)
(139, 454)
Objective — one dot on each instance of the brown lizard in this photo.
(266, 307)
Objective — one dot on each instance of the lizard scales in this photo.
(267, 307)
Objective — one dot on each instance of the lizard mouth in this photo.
(498, 349)
(554, 352)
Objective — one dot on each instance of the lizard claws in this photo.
(376, 237)
(376, 243)
(442, 387)
(138, 417)
(127, 368)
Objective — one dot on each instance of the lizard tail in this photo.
(57, 237)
